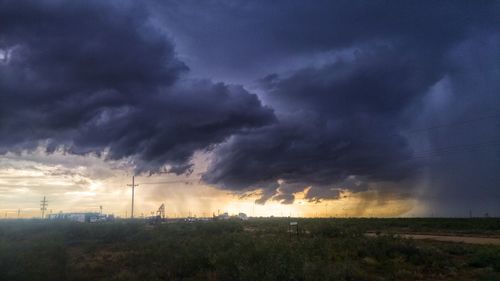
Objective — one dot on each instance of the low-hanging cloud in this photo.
(342, 83)
(99, 77)
(335, 123)
(342, 123)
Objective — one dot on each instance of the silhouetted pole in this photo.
(43, 206)
(133, 185)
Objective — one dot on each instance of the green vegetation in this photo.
(259, 249)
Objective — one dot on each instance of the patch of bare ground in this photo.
(446, 238)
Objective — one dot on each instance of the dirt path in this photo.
(447, 238)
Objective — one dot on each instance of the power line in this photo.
(425, 153)
(457, 123)
(402, 133)
(133, 185)
(190, 181)
(456, 148)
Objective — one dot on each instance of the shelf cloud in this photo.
(288, 97)
(95, 77)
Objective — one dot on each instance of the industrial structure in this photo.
(160, 215)
(134, 185)
(161, 211)
(226, 216)
(89, 217)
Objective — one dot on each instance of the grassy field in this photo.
(258, 249)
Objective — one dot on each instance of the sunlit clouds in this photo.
(295, 108)
(91, 182)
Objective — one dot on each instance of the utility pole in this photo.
(100, 209)
(18, 213)
(133, 185)
(43, 206)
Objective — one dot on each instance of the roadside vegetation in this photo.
(257, 249)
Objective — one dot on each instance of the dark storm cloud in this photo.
(315, 194)
(97, 76)
(467, 177)
(348, 116)
(341, 120)
(348, 81)
(238, 38)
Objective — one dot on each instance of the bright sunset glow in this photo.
(300, 109)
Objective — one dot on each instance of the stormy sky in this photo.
(286, 100)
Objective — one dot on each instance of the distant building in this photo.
(226, 216)
(81, 217)
(190, 219)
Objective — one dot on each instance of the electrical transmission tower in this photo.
(43, 206)
(133, 185)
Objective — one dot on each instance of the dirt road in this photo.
(448, 238)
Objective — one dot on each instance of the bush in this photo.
(260, 249)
